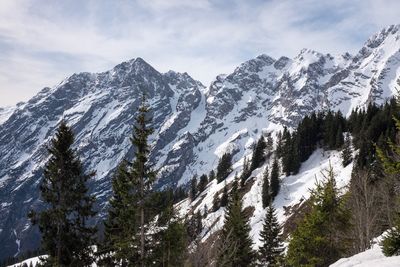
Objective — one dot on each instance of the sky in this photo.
(43, 42)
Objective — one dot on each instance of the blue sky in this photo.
(42, 42)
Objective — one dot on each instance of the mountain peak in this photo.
(378, 38)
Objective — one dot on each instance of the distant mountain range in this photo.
(194, 124)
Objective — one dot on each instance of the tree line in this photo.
(142, 227)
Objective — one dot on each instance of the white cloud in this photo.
(42, 42)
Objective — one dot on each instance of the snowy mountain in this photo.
(194, 125)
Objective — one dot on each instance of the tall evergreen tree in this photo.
(66, 237)
(121, 225)
(258, 154)
(287, 151)
(347, 155)
(202, 183)
(132, 192)
(171, 246)
(211, 176)
(224, 167)
(236, 249)
(271, 250)
(225, 197)
(142, 173)
(390, 161)
(246, 171)
(275, 182)
(266, 191)
(193, 187)
(321, 238)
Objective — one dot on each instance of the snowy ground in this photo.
(294, 189)
(369, 258)
(34, 261)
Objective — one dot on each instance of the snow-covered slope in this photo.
(294, 190)
(194, 125)
(369, 258)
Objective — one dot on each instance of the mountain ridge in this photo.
(194, 124)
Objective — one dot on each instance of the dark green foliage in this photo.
(225, 197)
(258, 154)
(290, 153)
(390, 161)
(193, 188)
(347, 154)
(246, 171)
(275, 182)
(271, 250)
(131, 206)
(372, 126)
(321, 238)
(309, 133)
(66, 237)
(121, 225)
(142, 174)
(333, 126)
(211, 176)
(391, 242)
(194, 226)
(179, 194)
(171, 241)
(266, 192)
(216, 203)
(202, 183)
(224, 167)
(236, 245)
(322, 129)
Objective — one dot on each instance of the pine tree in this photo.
(347, 155)
(236, 248)
(258, 154)
(199, 223)
(211, 176)
(275, 182)
(287, 151)
(270, 144)
(143, 175)
(171, 247)
(321, 238)
(271, 250)
(202, 183)
(224, 167)
(391, 242)
(66, 236)
(193, 188)
(266, 193)
(121, 225)
(246, 171)
(225, 198)
(132, 188)
(294, 158)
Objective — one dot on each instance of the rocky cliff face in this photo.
(194, 125)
